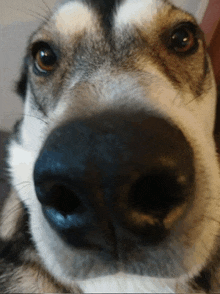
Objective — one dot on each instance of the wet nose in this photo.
(114, 169)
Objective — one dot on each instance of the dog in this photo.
(113, 167)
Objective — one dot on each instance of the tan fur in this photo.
(11, 213)
(145, 76)
(33, 278)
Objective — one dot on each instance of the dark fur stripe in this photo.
(105, 9)
(16, 131)
(38, 105)
(21, 85)
(202, 281)
(12, 251)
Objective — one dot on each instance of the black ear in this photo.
(21, 84)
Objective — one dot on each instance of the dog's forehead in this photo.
(75, 16)
(137, 12)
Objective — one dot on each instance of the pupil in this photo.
(47, 57)
(180, 39)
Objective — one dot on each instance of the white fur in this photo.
(157, 94)
(136, 12)
(125, 283)
(73, 17)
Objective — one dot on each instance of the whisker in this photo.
(190, 101)
(49, 10)
(17, 206)
(177, 97)
(30, 12)
(23, 115)
(211, 218)
(22, 183)
(11, 211)
(35, 117)
(41, 16)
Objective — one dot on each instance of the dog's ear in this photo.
(21, 84)
(196, 7)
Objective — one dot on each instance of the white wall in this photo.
(18, 19)
(196, 7)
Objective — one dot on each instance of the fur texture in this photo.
(114, 65)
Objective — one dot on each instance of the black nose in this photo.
(114, 170)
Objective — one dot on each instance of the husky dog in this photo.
(113, 167)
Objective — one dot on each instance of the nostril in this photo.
(159, 192)
(59, 196)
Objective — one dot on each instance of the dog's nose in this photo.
(128, 170)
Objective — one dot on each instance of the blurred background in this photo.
(19, 18)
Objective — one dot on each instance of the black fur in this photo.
(21, 85)
(203, 281)
(106, 9)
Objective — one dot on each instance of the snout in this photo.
(127, 172)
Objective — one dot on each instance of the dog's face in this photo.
(115, 150)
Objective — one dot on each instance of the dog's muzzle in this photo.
(114, 172)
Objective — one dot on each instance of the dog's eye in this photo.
(183, 39)
(44, 59)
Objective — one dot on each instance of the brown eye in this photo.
(45, 59)
(183, 39)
